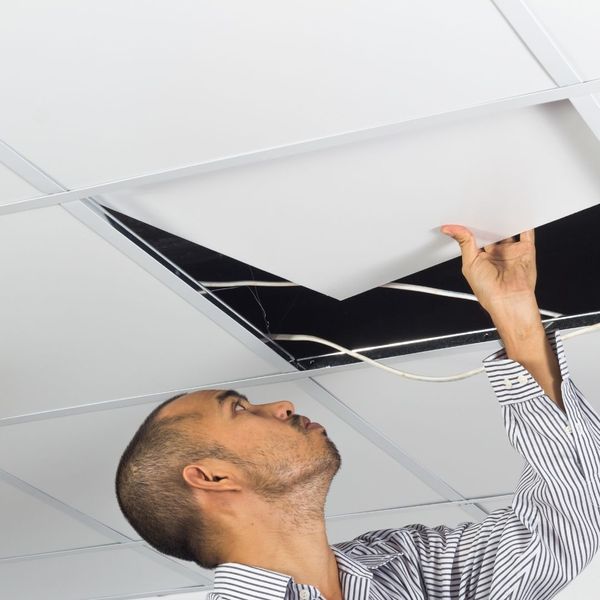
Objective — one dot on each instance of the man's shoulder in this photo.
(376, 542)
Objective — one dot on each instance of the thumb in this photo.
(466, 240)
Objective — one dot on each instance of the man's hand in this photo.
(503, 277)
(501, 274)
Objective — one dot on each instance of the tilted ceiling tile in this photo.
(343, 220)
(207, 80)
(81, 323)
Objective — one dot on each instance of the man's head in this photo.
(202, 462)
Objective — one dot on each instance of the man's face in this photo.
(283, 453)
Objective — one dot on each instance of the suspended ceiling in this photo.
(144, 110)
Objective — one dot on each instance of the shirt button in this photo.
(507, 383)
(522, 379)
(304, 594)
(568, 429)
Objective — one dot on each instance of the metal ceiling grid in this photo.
(13, 187)
(83, 211)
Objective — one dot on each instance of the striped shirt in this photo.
(527, 551)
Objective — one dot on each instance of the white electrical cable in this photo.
(311, 338)
(225, 284)
(393, 286)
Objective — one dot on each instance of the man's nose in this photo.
(283, 409)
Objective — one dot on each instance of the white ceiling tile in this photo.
(92, 574)
(74, 458)
(108, 91)
(81, 323)
(574, 27)
(30, 525)
(341, 530)
(13, 188)
(347, 219)
(81, 452)
(453, 429)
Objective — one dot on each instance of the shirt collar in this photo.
(236, 581)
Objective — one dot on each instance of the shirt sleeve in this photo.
(535, 547)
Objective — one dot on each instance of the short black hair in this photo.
(155, 498)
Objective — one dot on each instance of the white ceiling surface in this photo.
(80, 456)
(129, 92)
(91, 574)
(81, 323)
(13, 188)
(38, 526)
(106, 92)
(575, 26)
(347, 219)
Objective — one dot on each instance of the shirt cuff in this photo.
(512, 382)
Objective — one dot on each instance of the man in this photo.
(213, 478)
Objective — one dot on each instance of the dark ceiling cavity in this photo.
(568, 259)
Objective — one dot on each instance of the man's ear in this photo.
(208, 477)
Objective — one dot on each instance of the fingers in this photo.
(509, 240)
(468, 243)
(466, 240)
(528, 236)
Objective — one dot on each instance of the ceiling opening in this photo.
(383, 320)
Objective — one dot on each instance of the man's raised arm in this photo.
(503, 278)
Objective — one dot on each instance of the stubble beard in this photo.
(277, 477)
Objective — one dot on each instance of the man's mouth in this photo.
(308, 424)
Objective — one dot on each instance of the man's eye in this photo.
(238, 403)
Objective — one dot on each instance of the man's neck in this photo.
(300, 551)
